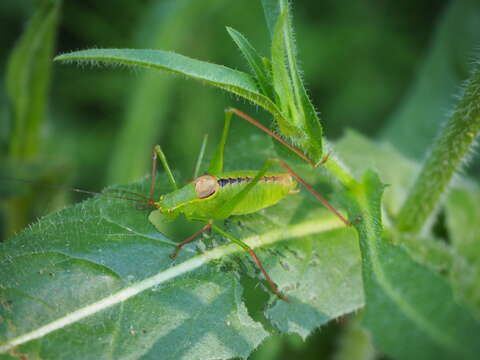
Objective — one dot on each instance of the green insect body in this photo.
(206, 194)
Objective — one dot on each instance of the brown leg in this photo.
(272, 134)
(248, 249)
(313, 192)
(190, 239)
(272, 284)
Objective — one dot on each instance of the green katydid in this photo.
(217, 195)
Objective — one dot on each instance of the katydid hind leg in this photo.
(256, 259)
(255, 123)
(312, 191)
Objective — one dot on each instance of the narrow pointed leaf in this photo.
(304, 127)
(311, 122)
(281, 81)
(271, 10)
(254, 61)
(230, 80)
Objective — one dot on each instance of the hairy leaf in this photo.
(395, 170)
(236, 82)
(254, 61)
(323, 275)
(457, 258)
(403, 296)
(96, 280)
(303, 126)
(272, 11)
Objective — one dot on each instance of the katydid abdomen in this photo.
(270, 189)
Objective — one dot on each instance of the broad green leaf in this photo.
(254, 61)
(95, 280)
(27, 80)
(414, 303)
(415, 124)
(359, 154)
(75, 274)
(324, 275)
(233, 81)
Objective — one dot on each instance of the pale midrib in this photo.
(409, 311)
(296, 231)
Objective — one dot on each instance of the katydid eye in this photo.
(205, 186)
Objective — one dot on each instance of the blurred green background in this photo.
(96, 125)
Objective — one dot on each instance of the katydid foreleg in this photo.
(255, 258)
(191, 238)
(312, 191)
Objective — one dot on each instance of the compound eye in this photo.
(205, 186)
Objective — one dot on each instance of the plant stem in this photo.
(448, 153)
(339, 171)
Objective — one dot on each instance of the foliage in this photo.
(96, 279)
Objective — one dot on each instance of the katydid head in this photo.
(202, 188)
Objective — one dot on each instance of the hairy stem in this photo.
(339, 172)
(448, 153)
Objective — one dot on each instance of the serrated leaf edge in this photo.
(299, 230)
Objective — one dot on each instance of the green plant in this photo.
(146, 306)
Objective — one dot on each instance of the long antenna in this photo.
(67, 188)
